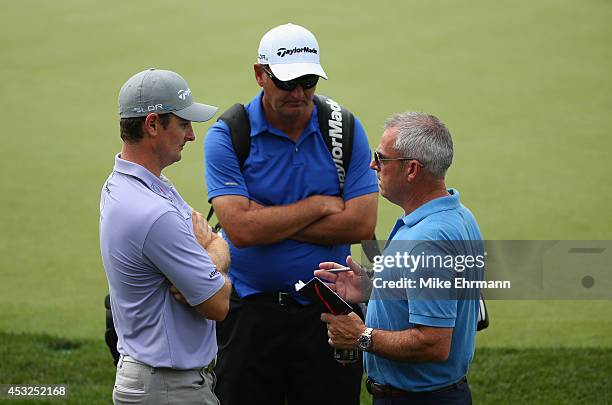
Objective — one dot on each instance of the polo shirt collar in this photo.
(259, 124)
(160, 186)
(446, 203)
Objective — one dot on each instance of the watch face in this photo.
(364, 342)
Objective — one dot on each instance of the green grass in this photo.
(497, 375)
(544, 324)
(84, 365)
(525, 88)
(541, 376)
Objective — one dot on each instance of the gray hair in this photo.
(425, 138)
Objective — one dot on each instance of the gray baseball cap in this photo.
(161, 91)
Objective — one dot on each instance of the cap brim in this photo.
(197, 112)
(290, 71)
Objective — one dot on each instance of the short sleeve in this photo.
(360, 179)
(223, 174)
(171, 246)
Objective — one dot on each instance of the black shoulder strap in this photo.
(337, 125)
(237, 120)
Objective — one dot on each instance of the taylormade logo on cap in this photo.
(284, 51)
(291, 51)
(182, 94)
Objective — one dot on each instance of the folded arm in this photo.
(215, 246)
(352, 225)
(247, 223)
(176, 250)
(217, 306)
(219, 254)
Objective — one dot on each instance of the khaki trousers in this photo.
(138, 383)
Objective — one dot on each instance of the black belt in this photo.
(281, 298)
(387, 391)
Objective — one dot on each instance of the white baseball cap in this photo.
(291, 51)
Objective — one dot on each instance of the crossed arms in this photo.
(216, 306)
(318, 219)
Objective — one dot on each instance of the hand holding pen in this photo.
(351, 283)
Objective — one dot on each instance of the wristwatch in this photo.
(364, 342)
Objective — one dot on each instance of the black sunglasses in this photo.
(378, 159)
(307, 82)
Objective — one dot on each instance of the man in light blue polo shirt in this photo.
(420, 328)
(284, 212)
(151, 238)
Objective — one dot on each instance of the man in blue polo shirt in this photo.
(283, 213)
(420, 327)
(149, 239)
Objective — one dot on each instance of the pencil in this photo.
(340, 270)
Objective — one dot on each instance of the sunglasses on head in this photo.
(307, 81)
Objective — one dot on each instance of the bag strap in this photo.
(237, 121)
(337, 126)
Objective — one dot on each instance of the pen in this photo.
(340, 270)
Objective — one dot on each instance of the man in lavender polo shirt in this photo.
(150, 239)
